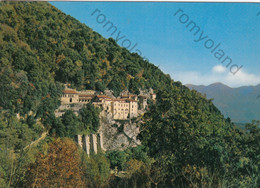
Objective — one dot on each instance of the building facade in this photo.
(121, 108)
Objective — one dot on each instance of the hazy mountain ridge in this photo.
(240, 104)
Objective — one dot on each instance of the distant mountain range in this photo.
(241, 104)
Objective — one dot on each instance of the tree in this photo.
(117, 159)
(115, 86)
(100, 86)
(134, 171)
(96, 170)
(89, 117)
(59, 166)
(183, 128)
(14, 136)
(67, 70)
(134, 86)
(71, 124)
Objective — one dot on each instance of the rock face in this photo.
(119, 135)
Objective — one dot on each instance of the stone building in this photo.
(121, 108)
(69, 96)
(83, 98)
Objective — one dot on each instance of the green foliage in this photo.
(15, 135)
(89, 117)
(196, 145)
(96, 170)
(47, 44)
(69, 124)
(118, 159)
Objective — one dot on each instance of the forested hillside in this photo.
(240, 104)
(186, 140)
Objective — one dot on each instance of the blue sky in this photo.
(168, 43)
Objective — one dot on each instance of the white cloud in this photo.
(219, 69)
(218, 73)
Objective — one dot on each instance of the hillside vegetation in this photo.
(240, 104)
(186, 140)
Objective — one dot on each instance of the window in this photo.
(70, 99)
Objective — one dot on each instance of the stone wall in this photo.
(91, 143)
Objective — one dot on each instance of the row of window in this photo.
(84, 100)
(122, 105)
(121, 109)
(120, 113)
(65, 95)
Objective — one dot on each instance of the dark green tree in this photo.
(71, 123)
(89, 117)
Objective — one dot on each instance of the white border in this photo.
(184, 1)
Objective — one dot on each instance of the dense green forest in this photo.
(186, 141)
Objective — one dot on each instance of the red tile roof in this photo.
(119, 100)
(131, 100)
(130, 95)
(69, 92)
(103, 96)
(87, 96)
